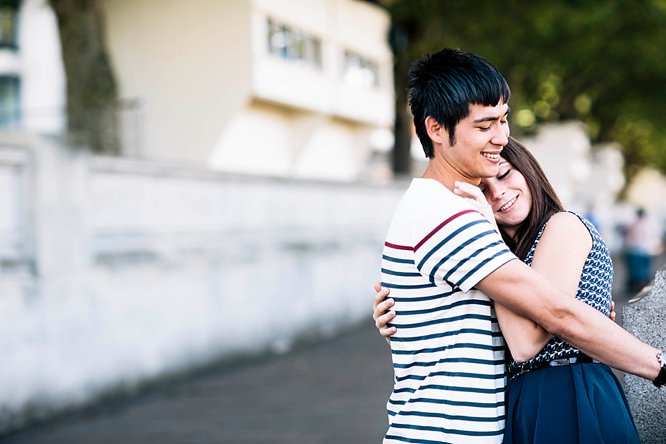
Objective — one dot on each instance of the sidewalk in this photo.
(334, 392)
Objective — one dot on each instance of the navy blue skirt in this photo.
(579, 403)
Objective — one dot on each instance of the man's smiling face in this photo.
(479, 139)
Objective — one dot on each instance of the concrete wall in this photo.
(646, 318)
(115, 271)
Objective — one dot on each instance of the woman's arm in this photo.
(383, 312)
(559, 257)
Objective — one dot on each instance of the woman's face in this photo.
(509, 197)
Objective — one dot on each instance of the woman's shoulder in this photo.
(566, 224)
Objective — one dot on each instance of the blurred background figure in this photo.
(591, 215)
(642, 244)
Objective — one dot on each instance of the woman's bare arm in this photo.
(559, 257)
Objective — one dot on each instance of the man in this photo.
(444, 263)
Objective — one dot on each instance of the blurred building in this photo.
(298, 88)
(32, 82)
(647, 191)
(291, 88)
(590, 178)
(587, 179)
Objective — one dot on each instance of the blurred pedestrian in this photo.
(591, 215)
(642, 243)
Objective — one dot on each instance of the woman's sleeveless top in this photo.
(594, 288)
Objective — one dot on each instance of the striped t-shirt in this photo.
(448, 353)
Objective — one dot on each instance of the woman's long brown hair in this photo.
(545, 201)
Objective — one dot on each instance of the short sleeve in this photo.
(457, 247)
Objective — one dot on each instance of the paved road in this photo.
(333, 392)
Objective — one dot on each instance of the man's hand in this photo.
(382, 313)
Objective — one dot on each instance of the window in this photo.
(10, 111)
(359, 70)
(293, 44)
(8, 13)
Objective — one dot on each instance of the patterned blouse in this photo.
(594, 288)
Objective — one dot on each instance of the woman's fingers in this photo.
(377, 287)
(380, 308)
(475, 196)
(382, 324)
(468, 190)
(382, 311)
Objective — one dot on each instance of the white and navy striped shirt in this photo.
(448, 353)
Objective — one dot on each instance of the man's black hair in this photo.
(444, 85)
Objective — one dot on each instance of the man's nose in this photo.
(501, 136)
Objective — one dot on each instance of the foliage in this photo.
(601, 62)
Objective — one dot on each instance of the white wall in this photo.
(142, 268)
(289, 143)
(15, 225)
(38, 64)
(188, 63)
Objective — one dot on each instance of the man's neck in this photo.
(443, 173)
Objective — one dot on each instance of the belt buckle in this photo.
(562, 361)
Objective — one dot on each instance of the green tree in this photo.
(92, 113)
(601, 62)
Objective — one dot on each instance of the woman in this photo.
(555, 393)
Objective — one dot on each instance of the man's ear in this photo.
(436, 130)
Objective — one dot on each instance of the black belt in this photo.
(516, 369)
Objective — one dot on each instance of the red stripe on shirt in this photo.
(398, 247)
(439, 227)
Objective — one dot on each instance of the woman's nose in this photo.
(496, 191)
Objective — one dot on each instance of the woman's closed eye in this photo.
(503, 174)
